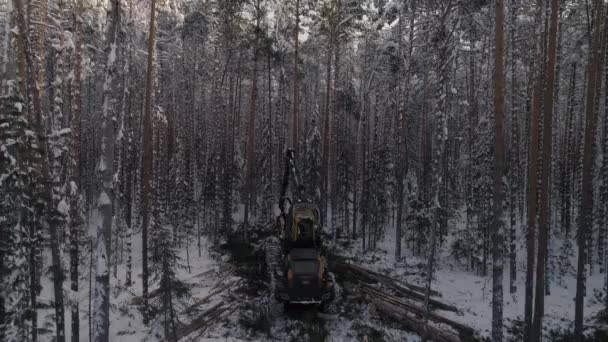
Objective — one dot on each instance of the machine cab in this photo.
(303, 226)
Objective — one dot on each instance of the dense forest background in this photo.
(474, 128)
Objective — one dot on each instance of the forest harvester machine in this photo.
(301, 277)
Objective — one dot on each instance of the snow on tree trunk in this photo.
(499, 157)
(444, 48)
(514, 154)
(148, 161)
(296, 82)
(102, 213)
(604, 174)
(534, 154)
(76, 203)
(586, 204)
(49, 213)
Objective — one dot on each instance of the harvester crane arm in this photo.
(290, 170)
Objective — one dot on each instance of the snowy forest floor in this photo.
(471, 293)
(230, 300)
(226, 303)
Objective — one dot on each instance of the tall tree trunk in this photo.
(404, 169)
(21, 51)
(129, 150)
(76, 199)
(568, 150)
(533, 186)
(544, 215)
(252, 111)
(514, 166)
(105, 167)
(296, 81)
(147, 165)
(54, 222)
(326, 134)
(440, 136)
(23, 60)
(586, 205)
(334, 131)
(498, 198)
(604, 174)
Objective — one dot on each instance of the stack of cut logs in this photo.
(396, 299)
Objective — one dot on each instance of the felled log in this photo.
(463, 330)
(400, 287)
(386, 279)
(137, 300)
(202, 321)
(230, 271)
(205, 299)
(413, 323)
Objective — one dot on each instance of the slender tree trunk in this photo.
(130, 150)
(533, 161)
(586, 206)
(105, 168)
(296, 81)
(251, 128)
(76, 199)
(147, 171)
(532, 206)
(544, 215)
(568, 150)
(54, 221)
(22, 51)
(514, 155)
(404, 134)
(440, 137)
(600, 210)
(604, 174)
(90, 313)
(498, 198)
(326, 134)
(23, 60)
(334, 131)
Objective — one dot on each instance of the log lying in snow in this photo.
(400, 287)
(205, 299)
(227, 273)
(463, 330)
(394, 281)
(382, 278)
(203, 321)
(137, 300)
(413, 323)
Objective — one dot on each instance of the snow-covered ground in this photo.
(126, 322)
(253, 315)
(472, 293)
(243, 322)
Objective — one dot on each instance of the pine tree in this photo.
(586, 204)
(21, 171)
(164, 262)
(105, 168)
(148, 162)
(76, 214)
(544, 215)
(498, 193)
